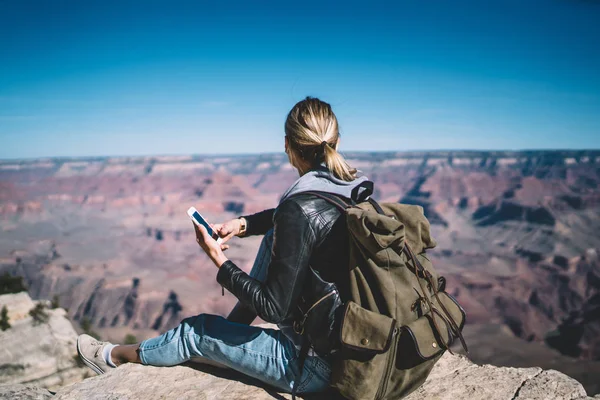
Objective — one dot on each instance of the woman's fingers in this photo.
(227, 236)
(227, 230)
(202, 235)
(198, 233)
(210, 246)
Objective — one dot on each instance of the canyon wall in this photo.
(110, 238)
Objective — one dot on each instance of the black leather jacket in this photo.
(308, 231)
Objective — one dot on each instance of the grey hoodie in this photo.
(321, 179)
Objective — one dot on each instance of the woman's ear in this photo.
(286, 144)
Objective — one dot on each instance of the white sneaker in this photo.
(90, 352)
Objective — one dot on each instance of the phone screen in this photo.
(203, 222)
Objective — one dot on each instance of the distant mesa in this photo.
(561, 261)
(575, 202)
(171, 312)
(532, 256)
(235, 207)
(503, 211)
(417, 197)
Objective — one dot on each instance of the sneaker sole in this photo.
(87, 362)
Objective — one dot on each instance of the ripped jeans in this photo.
(265, 354)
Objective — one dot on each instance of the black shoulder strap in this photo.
(361, 192)
(376, 206)
(339, 202)
(302, 358)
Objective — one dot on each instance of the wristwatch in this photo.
(243, 226)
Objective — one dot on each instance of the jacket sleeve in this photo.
(241, 314)
(294, 240)
(259, 223)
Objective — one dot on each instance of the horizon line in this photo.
(581, 152)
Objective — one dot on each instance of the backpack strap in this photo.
(361, 192)
(376, 206)
(448, 317)
(301, 360)
(341, 203)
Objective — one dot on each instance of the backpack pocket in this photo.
(365, 331)
(428, 336)
(366, 338)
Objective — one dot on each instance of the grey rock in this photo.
(24, 392)
(181, 382)
(17, 305)
(453, 377)
(41, 354)
(551, 385)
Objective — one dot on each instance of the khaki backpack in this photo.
(397, 319)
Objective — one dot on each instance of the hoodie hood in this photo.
(321, 179)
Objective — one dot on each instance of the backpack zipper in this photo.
(390, 365)
(320, 300)
(301, 324)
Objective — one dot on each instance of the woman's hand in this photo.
(210, 246)
(228, 229)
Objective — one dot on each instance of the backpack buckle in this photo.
(298, 327)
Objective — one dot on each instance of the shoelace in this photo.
(99, 349)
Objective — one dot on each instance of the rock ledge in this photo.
(454, 377)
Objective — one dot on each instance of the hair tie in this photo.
(323, 144)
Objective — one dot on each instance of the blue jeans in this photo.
(264, 354)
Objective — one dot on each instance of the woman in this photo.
(304, 230)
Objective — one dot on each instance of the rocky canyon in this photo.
(517, 233)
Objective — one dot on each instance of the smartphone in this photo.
(199, 220)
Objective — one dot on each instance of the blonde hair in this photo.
(312, 131)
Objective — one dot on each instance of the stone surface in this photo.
(180, 382)
(24, 392)
(551, 385)
(43, 354)
(17, 305)
(454, 377)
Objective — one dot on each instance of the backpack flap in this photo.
(375, 232)
(454, 309)
(420, 340)
(366, 331)
(420, 335)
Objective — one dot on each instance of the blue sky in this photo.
(130, 78)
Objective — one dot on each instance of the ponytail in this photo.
(312, 131)
(338, 165)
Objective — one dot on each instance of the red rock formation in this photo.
(512, 228)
